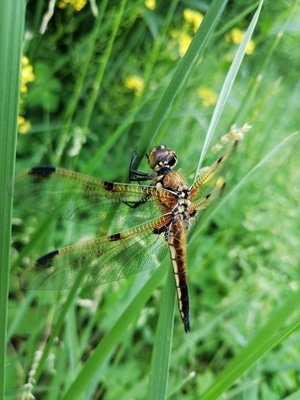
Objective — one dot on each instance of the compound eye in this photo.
(172, 159)
(160, 156)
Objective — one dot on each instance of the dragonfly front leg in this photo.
(134, 175)
(138, 176)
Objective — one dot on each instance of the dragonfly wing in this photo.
(85, 199)
(101, 260)
(202, 205)
(208, 187)
(210, 177)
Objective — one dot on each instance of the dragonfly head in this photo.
(162, 158)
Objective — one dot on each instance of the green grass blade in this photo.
(227, 85)
(159, 371)
(11, 39)
(182, 72)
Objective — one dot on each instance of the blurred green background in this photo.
(93, 74)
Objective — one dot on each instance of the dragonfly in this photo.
(157, 215)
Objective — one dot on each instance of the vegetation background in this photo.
(93, 76)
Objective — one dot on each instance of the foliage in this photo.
(100, 70)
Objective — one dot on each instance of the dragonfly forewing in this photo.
(80, 198)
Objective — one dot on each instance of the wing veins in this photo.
(101, 260)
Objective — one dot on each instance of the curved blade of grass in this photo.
(270, 335)
(181, 74)
(229, 80)
(158, 381)
(159, 371)
(253, 88)
(11, 40)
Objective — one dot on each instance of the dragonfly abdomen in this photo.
(177, 247)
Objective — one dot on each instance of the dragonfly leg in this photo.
(134, 175)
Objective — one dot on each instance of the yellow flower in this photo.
(27, 74)
(23, 125)
(183, 40)
(151, 4)
(250, 47)
(135, 83)
(77, 4)
(236, 36)
(193, 18)
(208, 96)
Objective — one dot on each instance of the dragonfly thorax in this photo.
(181, 210)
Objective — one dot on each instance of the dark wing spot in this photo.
(43, 171)
(193, 213)
(108, 185)
(158, 231)
(46, 260)
(116, 236)
(220, 160)
(40, 173)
